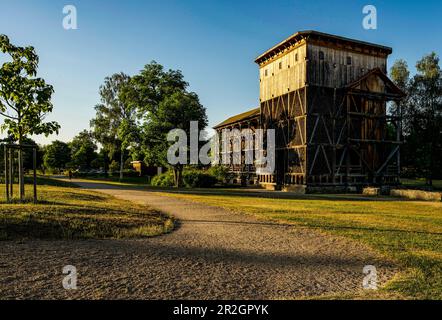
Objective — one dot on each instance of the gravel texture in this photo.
(212, 254)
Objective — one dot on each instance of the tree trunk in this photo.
(106, 164)
(178, 175)
(121, 165)
(175, 176)
(430, 171)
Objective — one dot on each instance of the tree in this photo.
(164, 104)
(422, 112)
(425, 113)
(176, 112)
(25, 100)
(152, 93)
(152, 85)
(114, 166)
(147, 90)
(83, 150)
(114, 125)
(57, 155)
(401, 76)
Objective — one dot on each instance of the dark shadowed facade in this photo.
(326, 97)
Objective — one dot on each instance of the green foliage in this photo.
(219, 172)
(114, 124)
(163, 103)
(28, 157)
(400, 74)
(24, 99)
(163, 180)
(57, 155)
(152, 85)
(198, 179)
(83, 150)
(114, 166)
(422, 116)
(192, 178)
(98, 162)
(150, 88)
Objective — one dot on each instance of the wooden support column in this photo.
(399, 138)
(34, 165)
(5, 149)
(347, 155)
(21, 175)
(11, 172)
(333, 176)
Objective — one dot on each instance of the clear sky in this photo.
(214, 43)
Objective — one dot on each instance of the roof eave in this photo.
(305, 34)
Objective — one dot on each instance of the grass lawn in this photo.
(409, 232)
(116, 180)
(437, 184)
(66, 212)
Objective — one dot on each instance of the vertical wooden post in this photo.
(11, 172)
(34, 166)
(333, 176)
(21, 173)
(5, 149)
(399, 139)
(121, 165)
(347, 155)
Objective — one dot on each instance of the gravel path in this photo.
(213, 254)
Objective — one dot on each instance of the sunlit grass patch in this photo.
(66, 212)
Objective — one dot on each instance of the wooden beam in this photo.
(34, 165)
(5, 149)
(375, 141)
(388, 159)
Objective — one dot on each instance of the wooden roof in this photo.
(240, 117)
(315, 35)
(394, 90)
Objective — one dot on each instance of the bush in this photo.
(130, 173)
(192, 178)
(219, 172)
(114, 166)
(163, 180)
(198, 179)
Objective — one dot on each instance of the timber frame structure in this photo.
(326, 97)
(13, 152)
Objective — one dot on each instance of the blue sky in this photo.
(214, 43)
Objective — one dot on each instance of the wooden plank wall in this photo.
(333, 71)
(290, 77)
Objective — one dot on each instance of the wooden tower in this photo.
(326, 97)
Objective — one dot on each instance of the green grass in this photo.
(67, 212)
(127, 181)
(409, 232)
(416, 183)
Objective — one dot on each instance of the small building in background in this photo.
(144, 170)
